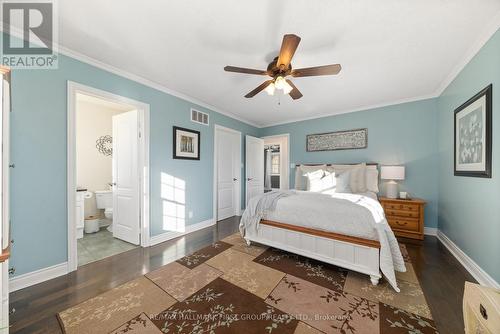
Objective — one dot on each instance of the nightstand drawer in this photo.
(404, 223)
(401, 213)
(402, 206)
(406, 217)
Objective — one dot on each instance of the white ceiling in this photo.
(390, 51)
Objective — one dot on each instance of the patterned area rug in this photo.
(230, 287)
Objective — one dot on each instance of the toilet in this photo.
(104, 200)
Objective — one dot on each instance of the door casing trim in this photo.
(143, 109)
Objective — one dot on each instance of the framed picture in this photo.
(340, 140)
(186, 144)
(473, 136)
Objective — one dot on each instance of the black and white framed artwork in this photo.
(473, 136)
(186, 144)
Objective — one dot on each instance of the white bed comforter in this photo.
(349, 214)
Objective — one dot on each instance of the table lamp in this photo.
(392, 173)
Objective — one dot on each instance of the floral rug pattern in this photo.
(230, 287)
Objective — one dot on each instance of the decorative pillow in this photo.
(342, 181)
(314, 180)
(357, 177)
(372, 180)
(325, 184)
(301, 171)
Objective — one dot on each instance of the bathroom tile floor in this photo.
(96, 246)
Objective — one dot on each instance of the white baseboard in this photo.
(171, 235)
(430, 231)
(37, 276)
(472, 267)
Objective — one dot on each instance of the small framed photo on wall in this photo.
(473, 136)
(186, 144)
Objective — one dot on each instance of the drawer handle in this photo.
(401, 224)
(483, 312)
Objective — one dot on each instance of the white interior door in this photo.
(228, 173)
(254, 167)
(4, 201)
(126, 211)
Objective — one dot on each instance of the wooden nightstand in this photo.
(406, 217)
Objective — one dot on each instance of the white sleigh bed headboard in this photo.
(301, 182)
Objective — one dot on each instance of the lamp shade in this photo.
(392, 172)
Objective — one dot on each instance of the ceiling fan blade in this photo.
(318, 70)
(244, 70)
(295, 92)
(259, 89)
(288, 47)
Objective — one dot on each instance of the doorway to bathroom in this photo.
(108, 162)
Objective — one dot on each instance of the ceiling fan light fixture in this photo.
(280, 82)
(281, 67)
(270, 89)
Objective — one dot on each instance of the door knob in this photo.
(249, 179)
(235, 179)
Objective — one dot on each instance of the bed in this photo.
(344, 229)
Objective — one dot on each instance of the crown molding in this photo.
(488, 32)
(134, 77)
(149, 83)
(483, 38)
(474, 49)
(347, 111)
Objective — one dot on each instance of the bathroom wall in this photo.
(93, 168)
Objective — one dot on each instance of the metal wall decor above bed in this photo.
(337, 164)
(339, 140)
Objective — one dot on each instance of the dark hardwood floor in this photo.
(440, 274)
(442, 279)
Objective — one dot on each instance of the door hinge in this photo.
(12, 270)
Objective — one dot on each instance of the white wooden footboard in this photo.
(360, 258)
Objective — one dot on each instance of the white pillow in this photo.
(325, 184)
(372, 180)
(342, 182)
(301, 171)
(314, 179)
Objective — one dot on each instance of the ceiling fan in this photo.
(281, 67)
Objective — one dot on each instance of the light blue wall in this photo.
(399, 134)
(469, 207)
(38, 181)
(417, 134)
